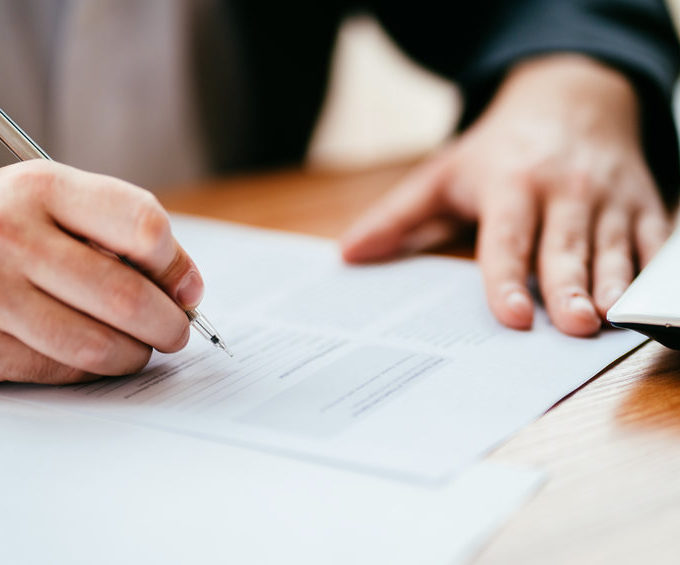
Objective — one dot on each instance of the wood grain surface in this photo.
(611, 449)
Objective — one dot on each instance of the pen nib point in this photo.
(223, 346)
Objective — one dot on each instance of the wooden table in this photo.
(612, 449)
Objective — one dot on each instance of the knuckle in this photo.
(152, 224)
(35, 179)
(613, 239)
(94, 350)
(579, 185)
(527, 179)
(569, 242)
(127, 297)
(13, 234)
(24, 191)
(508, 237)
(572, 186)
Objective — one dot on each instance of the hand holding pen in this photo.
(68, 312)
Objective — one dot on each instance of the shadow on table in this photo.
(654, 401)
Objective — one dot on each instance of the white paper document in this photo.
(80, 490)
(396, 368)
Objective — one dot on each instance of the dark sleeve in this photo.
(634, 36)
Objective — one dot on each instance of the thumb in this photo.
(181, 279)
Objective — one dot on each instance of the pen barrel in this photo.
(200, 324)
(18, 142)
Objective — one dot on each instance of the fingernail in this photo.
(581, 305)
(518, 302)
(190, 290)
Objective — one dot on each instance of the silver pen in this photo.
(24, 148)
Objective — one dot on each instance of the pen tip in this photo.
(223, 347)
(218, 342)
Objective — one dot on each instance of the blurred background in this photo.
(382, 106)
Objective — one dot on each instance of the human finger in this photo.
(383, 230)
(652, 228)
(105, 289)
(506, 241)
(67, 336)
(116, 215)
(21, 364)
(612, 264)
(563, 265)
(431, 234)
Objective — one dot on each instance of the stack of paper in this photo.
(398, 369)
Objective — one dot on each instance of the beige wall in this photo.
(381, 105)
(674, 7)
